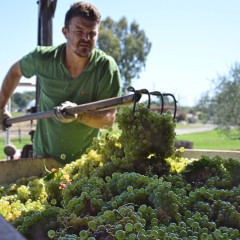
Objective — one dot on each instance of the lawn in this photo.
(211, 140)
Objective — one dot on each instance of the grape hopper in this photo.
(135, 185)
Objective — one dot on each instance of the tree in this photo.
(224, 105)
(20, 100)
(128, 45)
(205, 106)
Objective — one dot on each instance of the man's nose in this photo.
(86, 36)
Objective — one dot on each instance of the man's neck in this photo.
(75, 64)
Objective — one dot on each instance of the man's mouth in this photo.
(84, 45)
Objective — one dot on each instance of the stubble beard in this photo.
(83, 51)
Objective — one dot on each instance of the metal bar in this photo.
(87, 107)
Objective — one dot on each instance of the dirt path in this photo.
(195, 128)
(23, 129)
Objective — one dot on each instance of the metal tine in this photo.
(145, 91)
(131, 89)
(175, 102)
(136, 94)
(157, 93)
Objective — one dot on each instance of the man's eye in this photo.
(92, 34)
(79, 32)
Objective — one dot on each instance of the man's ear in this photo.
(65, 32)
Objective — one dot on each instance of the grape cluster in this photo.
(130, 186)
(145, 132)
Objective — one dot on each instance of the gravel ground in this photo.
(23, 129)
(195, 128)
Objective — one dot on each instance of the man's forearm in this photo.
(100, 119)
(9, 84)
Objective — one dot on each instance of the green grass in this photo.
(211, 140)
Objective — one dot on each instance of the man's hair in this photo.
(84, 10)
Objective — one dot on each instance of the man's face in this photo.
(81, 36)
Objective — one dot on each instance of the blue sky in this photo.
(193, 41)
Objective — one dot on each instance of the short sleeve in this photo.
(110, 82)
(27, 64)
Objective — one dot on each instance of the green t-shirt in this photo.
(100, 80)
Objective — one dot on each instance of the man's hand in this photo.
(4, 114)
(61, 115)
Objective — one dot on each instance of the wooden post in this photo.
(19, 135)
(46, 11)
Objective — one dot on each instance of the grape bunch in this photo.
(146, 132)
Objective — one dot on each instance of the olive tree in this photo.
(223, 106)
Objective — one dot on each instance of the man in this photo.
(72, 73)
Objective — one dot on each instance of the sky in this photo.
(193, 41)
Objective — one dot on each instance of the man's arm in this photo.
(100, 119)
(9, 84)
